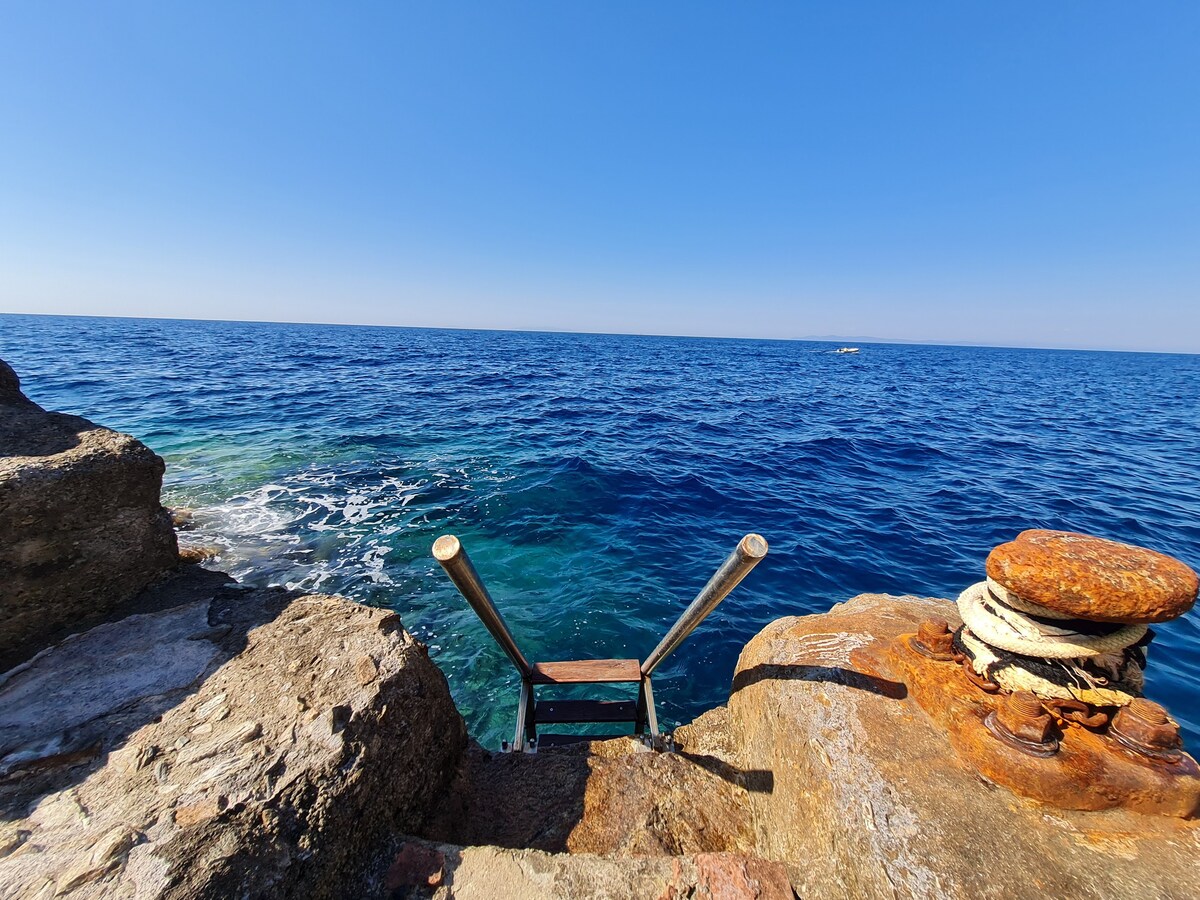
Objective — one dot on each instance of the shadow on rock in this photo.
(29, 431)
(606, 797)
(759, 781)
(893, 690)
(514, 800)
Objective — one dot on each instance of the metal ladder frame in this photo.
(452, 556)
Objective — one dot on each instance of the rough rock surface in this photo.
(235, 743)
(442, 872)
(1094, 578)
(868, 799)
(650, 803)
(81, 526)
(10, 386)
(606, 797)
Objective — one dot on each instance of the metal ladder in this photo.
(531, 712)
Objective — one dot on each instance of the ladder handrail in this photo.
(449, 551)
(745, 556)
(452, 556)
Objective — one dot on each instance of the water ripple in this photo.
(598, 480)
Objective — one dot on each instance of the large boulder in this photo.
(869, 799)
(230, 744)
(81, 527)
(601, 797)
(672, 804)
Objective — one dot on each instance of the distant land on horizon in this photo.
(822, 338)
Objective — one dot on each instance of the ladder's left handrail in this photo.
(748, 553)
(449, 551)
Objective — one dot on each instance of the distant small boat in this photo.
(846, 350)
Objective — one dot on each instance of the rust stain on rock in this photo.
(416, 865)
(200, 811)
(365, 670)
(730, 876)
(1089, 771)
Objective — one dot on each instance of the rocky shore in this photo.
(83, 529)
(166, 733)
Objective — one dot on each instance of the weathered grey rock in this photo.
(868, 798)
(81, 527)
(443, 872)
(230, 746)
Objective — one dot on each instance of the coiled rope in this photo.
(1010, 629)
(1075, 682)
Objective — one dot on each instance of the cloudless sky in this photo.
(1021, 173)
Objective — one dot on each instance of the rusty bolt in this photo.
(1023, 716)
(931, 629)
(1145, 726)
(933, 632)
(934, 636)
(1149, 711)
(1026, 703)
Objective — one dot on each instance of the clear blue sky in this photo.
(1005, 172)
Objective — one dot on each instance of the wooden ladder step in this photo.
(564, 711)
(587, 671)
(566, 740)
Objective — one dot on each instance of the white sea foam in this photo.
(321, 529)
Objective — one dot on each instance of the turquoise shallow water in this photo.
(597, 480)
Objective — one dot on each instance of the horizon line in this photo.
(814, 339)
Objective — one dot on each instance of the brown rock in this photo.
(609, 797)
(647, 804)
(200, 811)
(103, 858)
(868, 798)
(1094, 578)
(729, 876)
(81, 527)
(494, 873)
(511, 800)
(113, 845)
(365, 669)
(190, 556)
(416, 865)
(11, 838)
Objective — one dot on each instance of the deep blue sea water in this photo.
(598, 480)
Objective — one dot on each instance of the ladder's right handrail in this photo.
(749, 551)
(449, 551)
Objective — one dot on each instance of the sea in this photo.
(597, 481)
